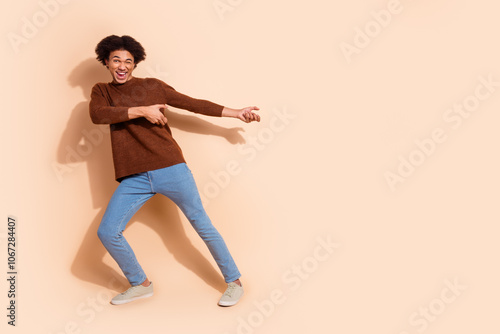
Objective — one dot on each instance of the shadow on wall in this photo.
(85, 142)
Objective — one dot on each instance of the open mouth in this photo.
(121, 75)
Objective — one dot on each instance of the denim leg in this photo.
(130, 195)
(177, 183)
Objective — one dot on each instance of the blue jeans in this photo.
(177, 183)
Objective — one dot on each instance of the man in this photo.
(147, 160)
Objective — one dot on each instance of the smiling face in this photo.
(120, 64)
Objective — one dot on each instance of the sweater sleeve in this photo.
(101, 112)
(179, 100)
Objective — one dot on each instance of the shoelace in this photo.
(230, 290)
(129, 291)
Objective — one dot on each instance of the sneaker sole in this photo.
(226, 304)
(125, 301)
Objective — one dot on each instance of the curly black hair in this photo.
(113, 43)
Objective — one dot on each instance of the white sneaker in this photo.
(133, 293)
(232, 295)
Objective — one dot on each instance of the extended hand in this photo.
(247, 115)
(154, 114)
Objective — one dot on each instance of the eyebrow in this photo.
(119, 58)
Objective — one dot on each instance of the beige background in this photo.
(317, 173)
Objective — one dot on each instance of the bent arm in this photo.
(101, 112)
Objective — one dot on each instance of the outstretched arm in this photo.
(246, 114)
(155, 115)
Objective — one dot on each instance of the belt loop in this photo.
(150, 178)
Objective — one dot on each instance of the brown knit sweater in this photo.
(138, 145)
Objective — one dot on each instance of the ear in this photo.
(107, 62)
